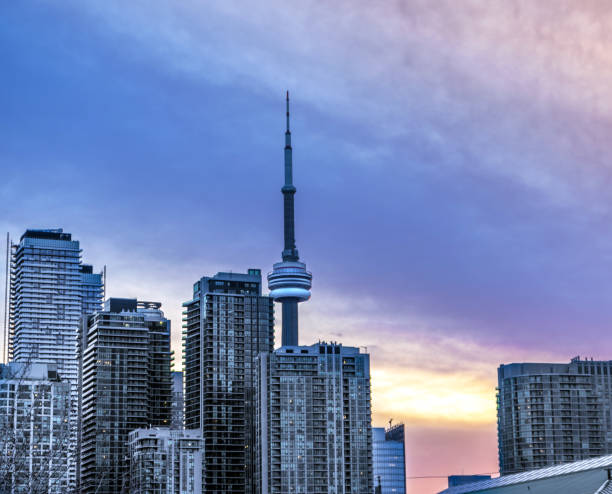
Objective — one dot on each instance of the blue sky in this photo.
(451, 161)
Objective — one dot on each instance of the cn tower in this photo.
(289, 282)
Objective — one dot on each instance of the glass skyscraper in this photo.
(389, 459)
(227, 323)
(126, 384)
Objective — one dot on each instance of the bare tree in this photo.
(35, 430)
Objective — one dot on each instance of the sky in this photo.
(452, 164)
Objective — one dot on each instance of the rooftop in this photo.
(588, 476)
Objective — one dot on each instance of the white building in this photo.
(166, 461)
(314, 421)
(593, 476)
(34, 429)
(49, 292)
(50, 289)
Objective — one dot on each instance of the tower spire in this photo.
(290, 252)
(289, 282)
(288, 130)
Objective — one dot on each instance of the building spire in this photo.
(288, 131)
(290, 252)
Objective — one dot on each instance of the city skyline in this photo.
(452, 179)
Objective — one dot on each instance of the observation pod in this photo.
(290, 280)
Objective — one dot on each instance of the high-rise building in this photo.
(549, 414)
(314, 421)
(50, 289)
(49, 292)
(34, 429)
(227, 324)
(166, 461)
(389, 459)
(289, 282)
(124, 367)
(178, 401)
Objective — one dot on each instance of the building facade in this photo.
(34, 429)
(226, 325)
(314, 421)
(549, 414)
(125, 363)
(389, 459)
(178, 401)
(166, 461)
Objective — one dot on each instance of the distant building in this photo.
(35, 429)
(126, 384)
(456, 480)
(178, 402)
(166, 461)
(227, 324)
(582, 477)
(389, 459)
(314, 421)
(550, 414)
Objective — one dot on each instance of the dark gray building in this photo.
(549, 414)
(314, 421)
(124, 372)
(178, 401)
(227, 324)
(389, 459)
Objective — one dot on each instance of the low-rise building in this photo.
(34, 429)
(166, 461)
(592, 476)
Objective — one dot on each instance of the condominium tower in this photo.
(549, 414)
(389, 459)
(227, 323)
(126, 384)
(314, 421)
(50, 289)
